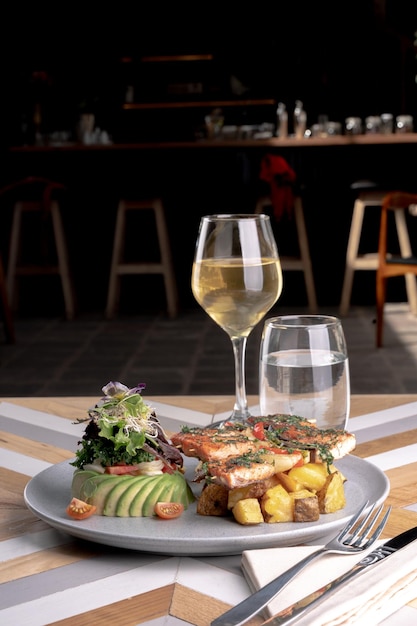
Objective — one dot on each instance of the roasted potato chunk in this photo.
(290, 484)
(255, 490)
(332, 496)
(306, 506)
(311, 476)
(213, 500)
(248, 511)
(277, 505)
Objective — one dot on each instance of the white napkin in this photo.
(365, 600)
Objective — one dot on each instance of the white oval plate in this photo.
(48, 493)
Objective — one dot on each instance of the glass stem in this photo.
(240, 410)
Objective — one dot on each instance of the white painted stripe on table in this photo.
(99, 562)
(63, 425)
(394, 458)
(384, 429)
(90, 596)
(46, 420)
(21, 463)
(182, 415)
(387, 415)
(30, 543)
(198, 575)
(37, 432)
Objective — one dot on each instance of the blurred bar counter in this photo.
(195, 178)
(272, 143)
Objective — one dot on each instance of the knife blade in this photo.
(293, 612)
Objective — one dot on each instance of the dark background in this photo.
(340, 58)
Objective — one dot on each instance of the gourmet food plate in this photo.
(48, 493)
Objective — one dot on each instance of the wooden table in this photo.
(47, 577)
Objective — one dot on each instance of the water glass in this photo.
(304, 369)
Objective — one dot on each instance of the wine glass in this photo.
(236, 279)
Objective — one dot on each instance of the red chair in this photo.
(394, 204)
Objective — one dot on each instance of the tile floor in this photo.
(188, 355)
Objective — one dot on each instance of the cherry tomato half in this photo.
(259, 430)
(169, 510)
(120, 469)
(78, 509)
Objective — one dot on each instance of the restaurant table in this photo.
(50, 577)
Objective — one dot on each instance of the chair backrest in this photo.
(32, 188)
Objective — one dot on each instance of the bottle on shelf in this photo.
(300, 120)
(282, 121)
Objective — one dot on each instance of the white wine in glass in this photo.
(236, 279)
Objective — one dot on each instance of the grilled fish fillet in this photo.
(295, 432)
(207, 443)
(235, 457)
(254, 467)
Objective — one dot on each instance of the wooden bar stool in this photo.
(119, 267)
(370, 196)
(36, 196)
(301, 263)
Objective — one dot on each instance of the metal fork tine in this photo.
(352, 521)
(356, 535)
(365, 526)
(379, 528)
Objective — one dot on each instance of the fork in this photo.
(353, 538)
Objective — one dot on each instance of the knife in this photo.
(293, 612)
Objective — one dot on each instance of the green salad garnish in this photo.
(123, 429)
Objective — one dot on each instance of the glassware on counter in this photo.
(300, 120)
(214, 123)
(282, 121)
(353, 126)
(387, 123)
(372, 124)
(333, 128)
(404, 124)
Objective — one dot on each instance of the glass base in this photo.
(231, 421)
